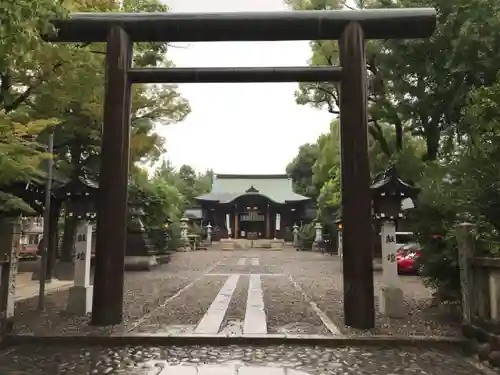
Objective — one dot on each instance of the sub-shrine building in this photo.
(254, 207)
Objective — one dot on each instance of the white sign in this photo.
(83, 254)
(278, 221)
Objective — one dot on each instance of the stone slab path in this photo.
(232, 360)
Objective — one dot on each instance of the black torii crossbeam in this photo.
(351, 28)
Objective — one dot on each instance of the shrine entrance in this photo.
(350, 28)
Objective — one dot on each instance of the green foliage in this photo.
(463, 187)
(306, 235)
(418, 86)
(42, 81)
(301, 170)
(189, 183)
(196, 229)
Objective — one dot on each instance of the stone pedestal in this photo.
(392, 302)
(80, 300)
(391, 299)
(80, 295)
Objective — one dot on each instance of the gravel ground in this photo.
(185, 310)
(144, 291)
(286, 310)
(321, 279)
(319, 276)
(307, 360)
(235, 315)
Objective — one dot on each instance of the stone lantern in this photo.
(209, 233)
(296, 241)
(388, 191)
(340, 248)
(319, 232)
(184, 229)
(80, 203)
(139, 252)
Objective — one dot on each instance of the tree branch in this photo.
(26, 93)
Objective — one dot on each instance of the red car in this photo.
(28, 251)
(407, 257)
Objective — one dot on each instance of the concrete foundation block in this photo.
(140, 263)
(80, 300)
(392, 302)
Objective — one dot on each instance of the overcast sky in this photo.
(240, 128)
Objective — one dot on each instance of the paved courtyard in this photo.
(239, 292)
(235, 293)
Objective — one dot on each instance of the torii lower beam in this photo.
(236, 75)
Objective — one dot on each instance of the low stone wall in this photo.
(243, 243)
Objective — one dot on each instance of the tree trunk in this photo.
(69, 237)
(55, 211)
(70, 222)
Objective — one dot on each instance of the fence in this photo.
(480, 287)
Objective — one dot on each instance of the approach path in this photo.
(234, 293)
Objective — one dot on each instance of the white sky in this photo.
(240, 128)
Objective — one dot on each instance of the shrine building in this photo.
(254, 206)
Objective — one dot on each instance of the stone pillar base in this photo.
(140, 263)
(80, 300)
(392, 302)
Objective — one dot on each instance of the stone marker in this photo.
(392, 300)
(80, 295)
(10, 242)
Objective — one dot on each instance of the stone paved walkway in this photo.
(241, 360)
(235, 293)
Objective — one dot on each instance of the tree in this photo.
(300, 169)
(67, 82)
(420, 86)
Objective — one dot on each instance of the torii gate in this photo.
(351, 28)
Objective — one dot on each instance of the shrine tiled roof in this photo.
(277, 188)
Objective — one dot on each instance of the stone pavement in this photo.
(234, 293)
(231, 360)
(27, 288)
(238, 293)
